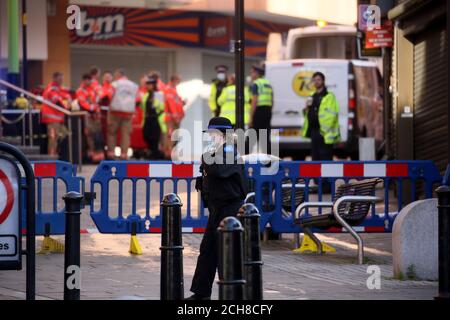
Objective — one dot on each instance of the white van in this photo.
(357, 85)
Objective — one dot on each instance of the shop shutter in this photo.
(135, 61)
(431, 115)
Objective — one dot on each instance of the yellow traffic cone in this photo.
(308, 246)
(135, 247)
(50, 245)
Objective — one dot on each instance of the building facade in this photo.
(420, 125)
(190, 43)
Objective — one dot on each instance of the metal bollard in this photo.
(172, 283)
(443, 193)
(231, 266)
(72, 271)
(249, 217)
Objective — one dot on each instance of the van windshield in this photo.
(325, 47)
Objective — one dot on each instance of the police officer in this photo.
(322, 123)
(223, 191)
(321, 120)
(217, 86)
(154, 122)
(262, 103)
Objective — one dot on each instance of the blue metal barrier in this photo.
(267, 183)
(51, 220)
(421, 175)
(166, 177)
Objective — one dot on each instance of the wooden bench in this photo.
(350, 207)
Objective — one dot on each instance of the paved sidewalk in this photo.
(109, 272)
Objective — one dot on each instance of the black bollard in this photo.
(172, 283)
(249, 217)
(72, 271)
(231, 260)
(443, 193)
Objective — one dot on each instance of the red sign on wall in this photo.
(379, 38)
(217, 31)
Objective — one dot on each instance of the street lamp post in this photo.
(13, 45)
(239, 51)
(24, 46)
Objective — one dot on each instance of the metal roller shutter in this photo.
(135, 61)
(431, 118)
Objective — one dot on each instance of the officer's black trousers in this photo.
(262, 121)
(152, 135)
(207, 262)
(321, 152)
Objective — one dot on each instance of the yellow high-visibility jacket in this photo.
(265, 93)
(328, 120)
(214, 96)
(159, 107)
(227, 101)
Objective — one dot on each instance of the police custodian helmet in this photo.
(219, 123)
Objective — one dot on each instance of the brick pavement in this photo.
(109, 272)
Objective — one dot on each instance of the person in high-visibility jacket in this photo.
(54, 119)
(262, 103)
(154, 119)
(227, 101)
(217, 87)
(87, 96)
(322, 120)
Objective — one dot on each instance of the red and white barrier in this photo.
(163, 170)
(354, 170)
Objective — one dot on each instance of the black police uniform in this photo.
(220, 85)
(223, 190)
(152, 129)
(320, 151)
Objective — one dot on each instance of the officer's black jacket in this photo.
(223, 182)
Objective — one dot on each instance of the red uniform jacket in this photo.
(97, 87)
(59, 96)
(87, 98)
(174, 104)
(106, 94)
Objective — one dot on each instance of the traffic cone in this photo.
(50, 245)
(135, 247)
(308, 246)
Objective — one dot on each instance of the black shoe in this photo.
(198, 297)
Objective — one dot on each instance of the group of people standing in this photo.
(163, 111)
(161, 106)
(258, 97)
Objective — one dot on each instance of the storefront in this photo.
(140, 40)
(420, 82)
